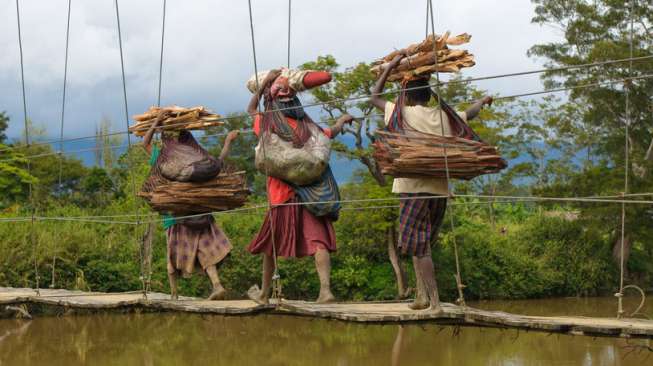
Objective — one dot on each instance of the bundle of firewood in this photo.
(224, 192)
(175, 118)
(420, 60)
(421, 155)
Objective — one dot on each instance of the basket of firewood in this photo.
(420, 58)
(420, 155)
(225, 192)
(175, 118)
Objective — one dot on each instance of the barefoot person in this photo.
(197, 241)
(291, 230)
(420, 219)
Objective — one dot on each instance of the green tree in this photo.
(105, 144)
(596, 118)
(4, 124)
(97, 187)
(14, 177)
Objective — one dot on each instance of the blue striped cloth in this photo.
(323, 190)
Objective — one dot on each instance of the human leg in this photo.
(421, 300)
(218, 290)
(262, 295)
(323, 266)
(172, 280)
(427, 271)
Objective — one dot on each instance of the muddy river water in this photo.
(186, 339)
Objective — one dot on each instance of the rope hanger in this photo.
(130, 162)
(37, 276)
(459, 284)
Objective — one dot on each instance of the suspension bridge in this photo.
(25, 302)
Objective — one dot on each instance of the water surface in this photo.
(187, 339)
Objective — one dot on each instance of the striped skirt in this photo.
(419, 222)
(190, 247)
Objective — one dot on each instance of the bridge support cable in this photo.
(459, 283)
(32, 234)
(276, 277)
(130, 161)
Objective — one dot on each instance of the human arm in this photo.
(340, 123)
(473, 111)
(252, 107)
(231, 136)
(147, 140)
(376, 99)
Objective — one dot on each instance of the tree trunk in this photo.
(397, 264)
(374, 170)
(616, 253)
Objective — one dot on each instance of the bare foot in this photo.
(218, 294)
(174, 296)
(256, 295)
(435, 309)
(406, 294)
(419, 304)
(325, 298)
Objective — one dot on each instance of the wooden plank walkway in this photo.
(107, 301)
(370, 312)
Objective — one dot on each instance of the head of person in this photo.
(418, 92)
(286, 86)
(281, 90)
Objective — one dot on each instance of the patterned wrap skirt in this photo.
(189, 247)
(419, 222)
(297, 232)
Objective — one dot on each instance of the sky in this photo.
(208, 52)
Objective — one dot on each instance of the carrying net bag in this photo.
(182, 159)
(304, 165)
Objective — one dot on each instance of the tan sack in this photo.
(301, 166)
(295, 79)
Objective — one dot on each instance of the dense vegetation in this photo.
(572, 146)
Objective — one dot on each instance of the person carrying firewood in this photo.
(194, 241)
(291, 228)
(420, 218)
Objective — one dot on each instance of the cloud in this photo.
(208, 54)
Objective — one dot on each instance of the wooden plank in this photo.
(366, 312)
(452, 314)
(109, 301)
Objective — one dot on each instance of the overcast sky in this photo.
(208, 55)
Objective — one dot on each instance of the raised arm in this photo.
(376, 99)
(231, 136)
(340, 123)
(252, 107)
(147, 140)
(475, 109)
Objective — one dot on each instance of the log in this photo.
(420, 155)
(175, 118)
(421, 58)
(225, 192)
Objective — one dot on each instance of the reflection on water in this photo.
(185, 339)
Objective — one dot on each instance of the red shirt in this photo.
(278, 190)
